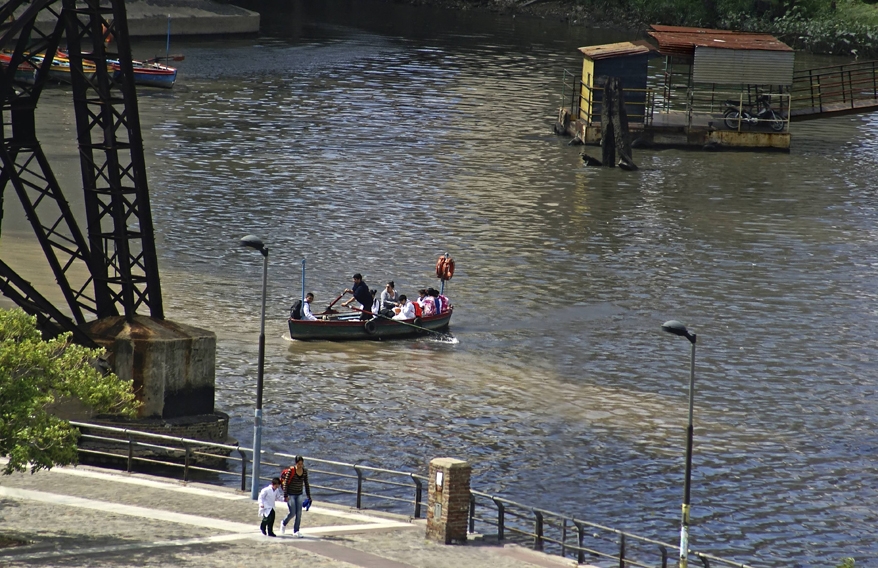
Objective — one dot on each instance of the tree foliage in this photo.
(36, 373)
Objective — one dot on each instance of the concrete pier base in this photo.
(171, 365)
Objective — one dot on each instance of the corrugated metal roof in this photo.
(621, 49)
(676, 40)
(687, 29)
(742, 67)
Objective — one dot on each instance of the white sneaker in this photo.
(299, 535)
(283, 529)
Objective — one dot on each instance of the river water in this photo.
(373, 137)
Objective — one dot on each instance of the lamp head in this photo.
(677, 328)
(254, 242)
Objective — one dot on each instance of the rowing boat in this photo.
(146, 73)
(348, 327)
(333, 326)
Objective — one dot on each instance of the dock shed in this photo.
(699, 60)
(717, 88)
(626, 60)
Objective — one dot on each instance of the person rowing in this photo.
(361, 294)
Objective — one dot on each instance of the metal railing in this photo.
(713, 103)
(381, 487)
(832, 88)
(567, 536)
(585, 101)
(569, 85)
(543, 530)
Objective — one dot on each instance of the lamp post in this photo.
(677, 328)
(254, 242)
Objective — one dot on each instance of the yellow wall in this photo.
(585, 101)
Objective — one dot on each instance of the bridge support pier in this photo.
(172, 369)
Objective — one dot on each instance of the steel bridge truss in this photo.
(117, 254)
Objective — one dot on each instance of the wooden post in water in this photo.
(615, 139)
(608, 133)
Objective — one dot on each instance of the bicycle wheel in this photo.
(732, 118)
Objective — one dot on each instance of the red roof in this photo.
(679, 40)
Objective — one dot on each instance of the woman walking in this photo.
(296, 480)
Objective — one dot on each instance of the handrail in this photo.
(627, 543)
(511, 518)
(834, 87)
(188, 448)
(713, 104)
(864, 63)
(632, 98)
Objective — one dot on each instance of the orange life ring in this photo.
(449, 268)
(444, 268)
(440, 267)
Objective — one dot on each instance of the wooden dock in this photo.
(680, 129)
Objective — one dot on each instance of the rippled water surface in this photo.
(374, 138)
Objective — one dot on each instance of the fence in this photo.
(834, 88)
(382, 488)
(397, 491)
(567, 536)
(725, 108)
(585, 101)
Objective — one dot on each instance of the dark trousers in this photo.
(268, 524)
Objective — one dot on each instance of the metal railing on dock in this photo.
(585, 101)
(385, 489)
(834, 89)
(711, 107)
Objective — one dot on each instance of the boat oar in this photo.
(334, 301)
(439, 333)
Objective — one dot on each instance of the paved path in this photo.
(100, 518)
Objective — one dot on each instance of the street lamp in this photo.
(256, 243)
(677, 328)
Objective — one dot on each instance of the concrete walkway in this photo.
(188, 17)
(93, 517)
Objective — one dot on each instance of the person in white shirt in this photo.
(376, 303)
(406, 309)
(306, 308)
(267, 498)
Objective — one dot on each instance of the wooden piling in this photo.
(615, 139)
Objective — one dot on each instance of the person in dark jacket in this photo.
(294, 480)
(361, 294)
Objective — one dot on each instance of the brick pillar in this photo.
(448, 500)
